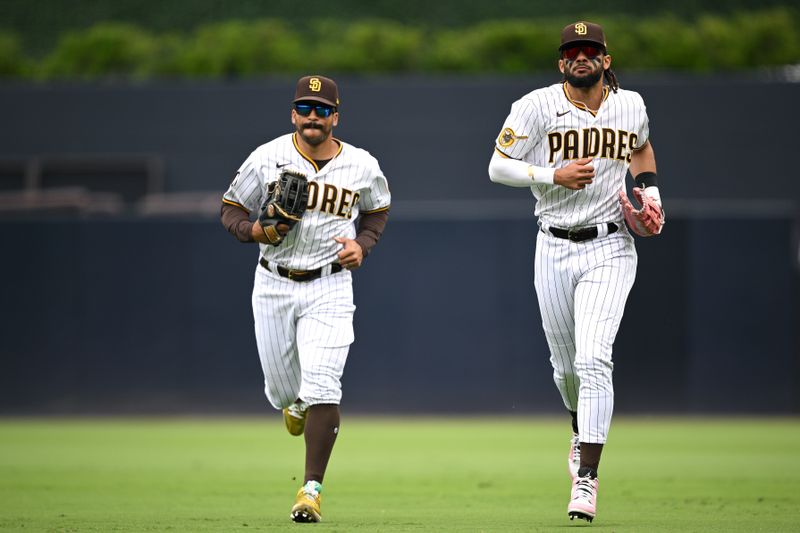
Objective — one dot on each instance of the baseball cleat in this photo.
(306, 504)
(295, 418)
(574, 458)
(583, 503)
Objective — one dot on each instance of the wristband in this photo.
(646, 179)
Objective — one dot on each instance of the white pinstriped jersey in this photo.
(351, 183)
(547, 129)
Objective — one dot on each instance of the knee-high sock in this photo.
(322, 427)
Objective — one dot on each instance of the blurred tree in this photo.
(12, 62)
(238, 48)
(103, 50)
(367, 45)
(261, 47)
(41, 22)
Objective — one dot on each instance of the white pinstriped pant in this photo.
(582, 288)
(303, 332)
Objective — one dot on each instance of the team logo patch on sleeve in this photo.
(508, 137)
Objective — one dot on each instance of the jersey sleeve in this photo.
(245, 189)
(376, 197)
(522, 129)
(643, 124)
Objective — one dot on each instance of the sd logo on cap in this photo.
(317, 89)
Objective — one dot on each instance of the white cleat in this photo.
(583, 503)
(574, 458)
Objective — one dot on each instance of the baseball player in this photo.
(572, 144)
(302, 296)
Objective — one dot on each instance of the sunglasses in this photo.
(322, 110)
(589, 51)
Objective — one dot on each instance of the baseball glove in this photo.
(285, 204)
(645, 222)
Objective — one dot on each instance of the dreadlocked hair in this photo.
(612, 80)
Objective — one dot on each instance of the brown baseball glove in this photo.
(286, 202)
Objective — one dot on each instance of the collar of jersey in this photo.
(581, 105)
(299, 151)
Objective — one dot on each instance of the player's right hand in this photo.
(576, 175)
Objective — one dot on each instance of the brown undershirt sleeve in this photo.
(370, 226)
(237, 222)
(370, 229)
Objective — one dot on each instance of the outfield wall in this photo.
(115, 311)
(715, 137)
(150, 316)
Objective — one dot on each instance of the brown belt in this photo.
(300, 275)
(581, 234)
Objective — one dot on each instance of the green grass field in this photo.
(395, 474)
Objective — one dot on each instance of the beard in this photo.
(587, 80)
(311, 127)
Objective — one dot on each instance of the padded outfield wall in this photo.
(136, 314)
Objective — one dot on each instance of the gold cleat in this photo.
(295, 418)
(306, 505)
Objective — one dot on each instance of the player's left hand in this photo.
(646, 221)
(351, 256)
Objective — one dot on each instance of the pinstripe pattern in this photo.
(535, 115)
(581, 287)
(303, 333)
(310, 244)
(304, 329)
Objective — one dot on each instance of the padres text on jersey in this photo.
(547, 129)
(350, 184)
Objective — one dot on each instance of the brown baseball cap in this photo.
(317, 89)
(582, 32)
